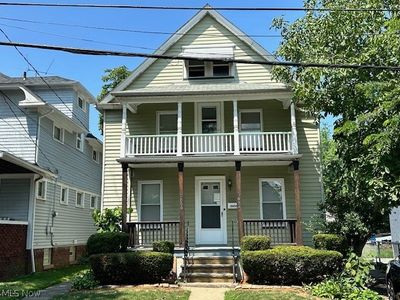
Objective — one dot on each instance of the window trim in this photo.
(37, 190)
(83, 102)
(163, 112)
(83, 198)
(61, 132)
(266, 179)
(142, 182)
(199, 118)
(61, 188)
(80, 135)
(251, 110)
(97, 160)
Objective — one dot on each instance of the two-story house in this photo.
(50, 173)
(209, 151)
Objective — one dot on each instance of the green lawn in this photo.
(129, 293)
(37, 281)
(372, 251)
(276, 294)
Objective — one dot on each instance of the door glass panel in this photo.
(210, 205)
(209, 122)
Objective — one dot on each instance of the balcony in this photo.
(204, 144)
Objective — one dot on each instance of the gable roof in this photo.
(206, 11)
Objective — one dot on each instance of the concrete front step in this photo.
(205, 260)
(210, 277)
(210, 268)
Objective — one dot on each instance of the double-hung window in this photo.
(58, 134)
(41, 188)
(167, 122)
(93, 201)
(272, 198)
(79, 141)
(82, 104)
(250, 120)
(150, 197)
(64, 195)
(95, 156)
(80, 198)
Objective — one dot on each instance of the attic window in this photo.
(196, 68)
(207, 69)
(82, 103)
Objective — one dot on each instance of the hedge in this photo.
(255, 242)
(164, 246)
(327, 241)
(131, 267)
(107, 242)
(290, 265)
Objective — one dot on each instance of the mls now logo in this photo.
(18, 294)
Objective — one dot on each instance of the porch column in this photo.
(179, 131)
(297, 200)
(295, 147)
(238, 165)
(124, 196)
(235, 128)
(181, 204)
(123, 131)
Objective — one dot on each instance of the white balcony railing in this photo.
(216, 143)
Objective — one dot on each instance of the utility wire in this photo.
(148, 7)
(95, 52)
(136, 31)
(45, 82)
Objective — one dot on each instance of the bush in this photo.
(327, 241)
(164, 246)
(107, 242)
(131, 267)
(255, 242)
(84, 280)
(290, 265)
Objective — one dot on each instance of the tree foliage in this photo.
(111, 79)
(361, 173)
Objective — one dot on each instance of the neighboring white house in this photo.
(395, 230)
(50, 172)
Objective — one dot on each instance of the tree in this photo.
(362, 178)
(111, 79)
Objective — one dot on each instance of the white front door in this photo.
(210, 210)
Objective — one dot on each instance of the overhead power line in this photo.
(148, 7)
(96, 52)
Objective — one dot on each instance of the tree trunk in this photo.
(358, 244)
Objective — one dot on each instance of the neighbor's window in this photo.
(167, 122)
(82, 103)
(58, 134)
(79, 141)
(79, 199)
(95, 156)
(64, 195)
(93, 202)
(41, 187)
(272, 193)
(198, 69)
(250, 121)
(150, 200)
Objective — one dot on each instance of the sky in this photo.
(89, 69)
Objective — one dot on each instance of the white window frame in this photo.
(142, 182)
(37, 190)
(97, 160)
(96, 198)
(198, 115)
(83, 103)
(252, 110)
(163, 112)
(282, 181)
(67, 194)
(61, 132)
(76, 199)
(208, 70)
(79, 136)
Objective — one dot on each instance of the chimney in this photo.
(24, 76)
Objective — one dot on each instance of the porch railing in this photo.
(281, 231)
(220, 143)
(145, 233)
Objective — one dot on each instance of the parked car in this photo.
(393, 279)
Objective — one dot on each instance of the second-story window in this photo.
(58, 134)
(79, 141)
(79, 199)
(95, 156)
(250, 120)
(167, 122)
(82, 103)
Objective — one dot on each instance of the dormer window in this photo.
(196, 69)
(82, 103)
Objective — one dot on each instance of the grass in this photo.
(37, 281)
(129, 293)
(273, 294)
(386, 251)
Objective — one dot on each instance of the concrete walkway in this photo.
(50, 292)
(201, 293)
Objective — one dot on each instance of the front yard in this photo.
(270, 294)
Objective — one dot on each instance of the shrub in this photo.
(107, 242)
(327, 241)
(131, 267)
(84, 280)
(290, 265)
(164, 246)
(255, 242)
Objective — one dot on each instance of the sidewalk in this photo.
(201, 293)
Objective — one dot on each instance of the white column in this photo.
(123, 131)
(295, 147)
(235, 128)
(179, 130)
